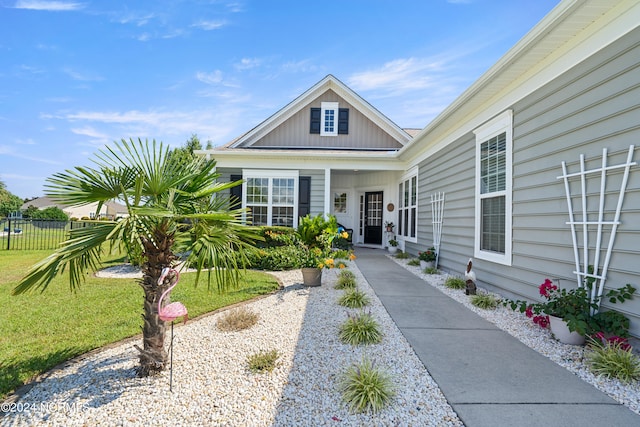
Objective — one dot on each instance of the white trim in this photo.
(407, 176)
(327, 191)
(324, 107)
(502, 123)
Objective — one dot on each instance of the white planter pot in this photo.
(393, 249)
(560, 330)
(426, 264)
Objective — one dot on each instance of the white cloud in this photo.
(136, 18)
(209, 25)
(52, 6)
(302, 66)
(27, 141)
(80, 76)
(6, 150)
(212, 78)
(248, 63)
(91, 132)
(399, 76)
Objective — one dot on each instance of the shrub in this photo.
(402, 255)
(276, 258)
(414, 262)
(347, 273)
(345, 282)
(360, 329)
(354, 298)
(263, 361)
(613, 360)
(484, 301)
(455, 283)
(431, 270)
(366, 388)
(237, 320)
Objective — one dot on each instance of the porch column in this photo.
(327, 191)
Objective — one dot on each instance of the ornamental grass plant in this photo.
(613, 359)
(366, 388)
(354, 298)
(360, 328)
(263, 361)
(484, 301)
(455, 283)
(237, 320)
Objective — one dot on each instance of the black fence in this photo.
(28, 234)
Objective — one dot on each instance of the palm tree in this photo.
(173, 205)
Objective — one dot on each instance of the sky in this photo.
(78, 75)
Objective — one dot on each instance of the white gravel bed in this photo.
(213, 386)
(518, 325)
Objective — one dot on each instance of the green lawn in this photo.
(41, 330)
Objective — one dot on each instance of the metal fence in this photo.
(28, 234)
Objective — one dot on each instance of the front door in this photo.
(373, 217)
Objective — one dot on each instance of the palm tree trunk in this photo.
(158, 255)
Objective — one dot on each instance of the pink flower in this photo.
(543, 321)
(546, 287)
(529, 312)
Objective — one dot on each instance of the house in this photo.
(556, 118)
(109, 210)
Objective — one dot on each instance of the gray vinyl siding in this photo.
(294, 133)
(593, 106)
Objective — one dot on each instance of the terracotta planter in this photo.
(311, 276)
(427, 264)
(560, 330)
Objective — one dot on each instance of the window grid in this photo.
(329, 121)
(408, 209)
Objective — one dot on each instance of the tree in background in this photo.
(53, 213)
(174, 206)
(8, 202)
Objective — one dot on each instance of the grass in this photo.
(414, 262)
(345, 282)
(354, 298)
(359, 329)
(41, 330)
(402, 255)
(612, 360)
(431, 270)
(365, 388)
(237, 320)
(484, 301)
(455, 283)
(263, 361)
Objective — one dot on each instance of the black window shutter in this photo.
(314, 126)
(236, 193)
(343, 121)
(304, 196)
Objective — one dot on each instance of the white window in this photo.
(329, 119)
(408, 206)
(272, 197)
(493, 189)
(340, 200)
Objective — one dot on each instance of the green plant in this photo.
(393, 242)
(484, 301)
(237, 320)
(360, 328)
(365, 388)
(612, 322)
(431, 270)
(428, 255)
(402, 255)
(454, 283)
(354, 298)
(575, 306)
(345, 282)
(347, 273)
(613, 360)
(414, 262)
(263, 361)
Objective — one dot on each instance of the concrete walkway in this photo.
(489, 377)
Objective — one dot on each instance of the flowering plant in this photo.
(574, 306)
(428, 255)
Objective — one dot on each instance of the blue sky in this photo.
(76, 75)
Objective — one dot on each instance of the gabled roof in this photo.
(328, 83)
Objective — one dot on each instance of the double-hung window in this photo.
(271, 196)
(408, 206)
(493, 189)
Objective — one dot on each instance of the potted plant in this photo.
(569, 312)
(389, 226)
(393, 246)
(427, 258)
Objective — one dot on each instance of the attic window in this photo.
(329, 120)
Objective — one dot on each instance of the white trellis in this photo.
(583, 271)
(437, 211)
